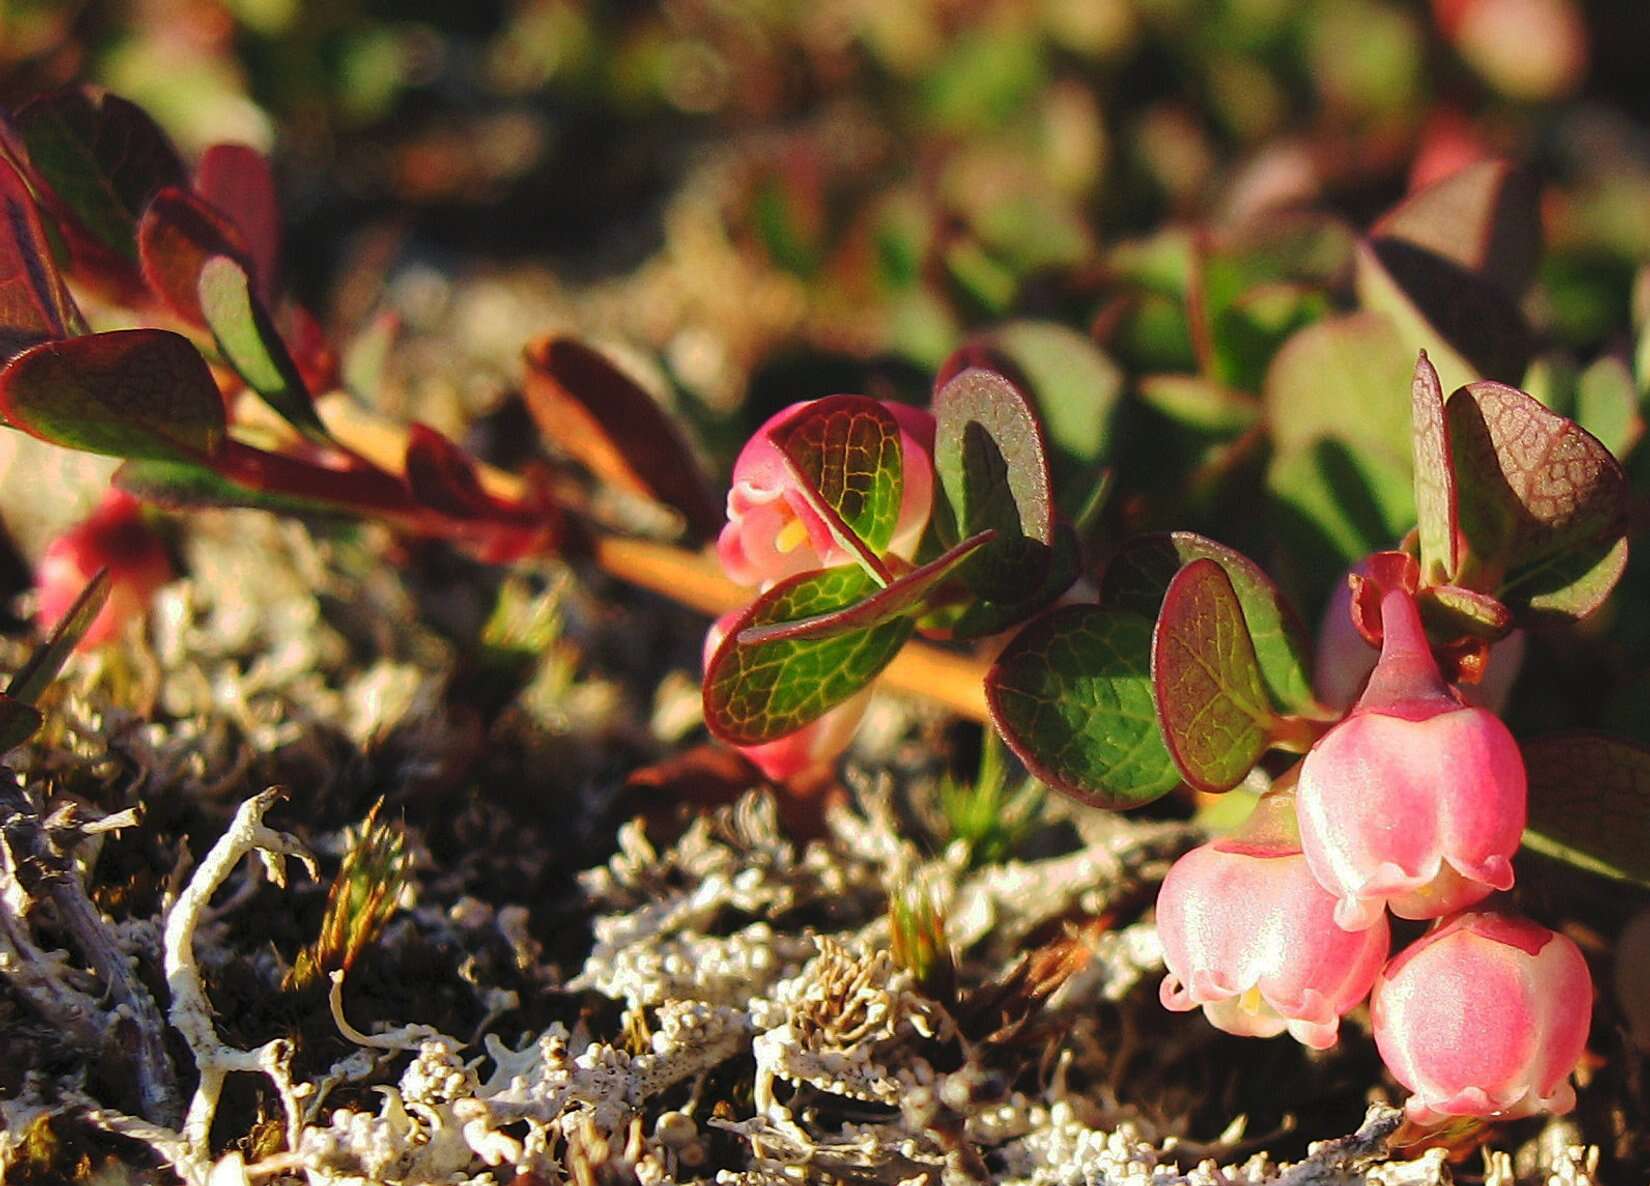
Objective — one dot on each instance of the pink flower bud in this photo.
(114, 537)
(1415, 801)
(1250, 936)
(1485, 1016)
(772, 533)
(803, 758)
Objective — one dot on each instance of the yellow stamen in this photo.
(1250, 1002)
(790, 537)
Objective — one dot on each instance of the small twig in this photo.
(42, 871)
(191, 1012)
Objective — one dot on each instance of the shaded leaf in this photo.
(238, 181)
(177, 234)
(1199, 404)
(758, 693)
(992, 464)
(1486, 218)
(1072, 697)
(1468, 326)
(983, 616)
(593, 411)
(246, 335)
(1211, 706)
(1452, 610)
(35, 305)
(846, 455)
(127, 393)
(18, 722)
(1537, 495)
(442, 476)
(1434, 475)
(36, 675)
(1139, 575)
(902, 596)
(1589, 803)
(100, 159)
(1347, 378)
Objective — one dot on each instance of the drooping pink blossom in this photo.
(1416, 801)
(1249, 935)
(115, 537)
(1485, 1016)
(803, 758)
(773, 533)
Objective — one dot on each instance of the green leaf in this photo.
(248, 339)
(1213, 711)
(1076, 389)
(993, 466)
(1344, 378)
(1333, 505)
(903, 596)
(18, 722)
(35, 305)
(1452, 611)
(35, 676)
(1434, 475)
(1542, 502)
(760, 693)
(845, 452)
(980, 617)
(100, 159)
(128, 393)
(1200, 404)
(1072, 697)
(1607, 405)
(1137, 578)
(1589, 803)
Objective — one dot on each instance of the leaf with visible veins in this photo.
(846, 455)
(1434, 475)
(1138, 576)
(1542, 504)
(759, 693)
(1072, 697)
(1213, 710)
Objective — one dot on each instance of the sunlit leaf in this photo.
(246, 335)
(593, 411)
(177, 234)
(1072, 697)
(1211, 705)
(1434, 475)
(846, 455)
(758, 693)
(1486, 218)
(128, 393)
(1139, 575)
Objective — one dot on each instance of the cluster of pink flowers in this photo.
(114, 537)
(773, 533)
(1413, 804)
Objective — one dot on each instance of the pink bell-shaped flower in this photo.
(1485, 1016)
(114, 537)
(773, 533)
(1249, 935)
(1414, 802)
(802, 759)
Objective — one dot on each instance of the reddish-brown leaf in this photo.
(238, 181)
(593, 411)
(35, 305)
(177, 234)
